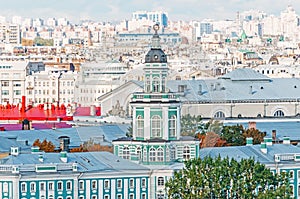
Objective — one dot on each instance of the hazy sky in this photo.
(115, 10)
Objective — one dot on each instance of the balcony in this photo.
(155, 97)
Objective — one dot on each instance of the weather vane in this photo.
(155, 28)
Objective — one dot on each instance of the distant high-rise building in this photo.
(159, 17)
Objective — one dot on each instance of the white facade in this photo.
(13, 76)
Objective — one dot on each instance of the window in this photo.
(94, 197)
(5, 83)
(147, 84)
(23, 187)
(219, 114)
(69, 185)
(81, 185)
(126, 154)
(5, 92)
(32, 187)
(106, 197)
(143, 183)
(139, 153)
(131, 196)
(42, 186)
(291, 174)
(156, 84)
(160, 196)
(119, 184)
(156, 126)
(172, 153)
(279, 113)
(152, 155)
(94, 184)
(131, 183)
(172, 126)
(106, 184)
(59, 186)
(140, 126)
(50, 186)
(186, 153)
(69, 197)
(143, 196)
(119, 196)
(5, 187)
(160, 155)
(160, 181)
(81, 197)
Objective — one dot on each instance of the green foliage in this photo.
(233, 135)
(129, 131)
(225, 178)
(190, 125)
(43, 42)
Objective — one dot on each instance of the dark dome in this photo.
(156, 56)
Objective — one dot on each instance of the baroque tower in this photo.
(156, 136)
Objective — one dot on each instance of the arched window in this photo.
(160, 155)
(186, 153)
(156, 126)
(219, 114)
(172, 126)
(172, 152)
(156, 84)
(152, 155)
(147, 82)
(126, 154)
(279, 113)
(140, 126)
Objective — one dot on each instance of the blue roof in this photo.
(86, 161)
(254, 151)
(78, 135)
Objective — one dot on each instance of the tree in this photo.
(233, 135)
(46, 146)
(190, 125)
(224, 178)
(258, 136)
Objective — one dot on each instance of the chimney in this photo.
(35, 149)
(286, 140)
(14, 150)
(251, 90)
(263, 147)
(268, 141)
(74, 166)
(249, 141)
(63, 156)
(274, 135)
(64, 143)
(41, 157)
(251, 125)
(200, 89)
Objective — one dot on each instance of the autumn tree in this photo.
(224, 178)
(45, 145)
(257, 135)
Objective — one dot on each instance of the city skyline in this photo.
(117, 10)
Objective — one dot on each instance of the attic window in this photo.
(295, 86)
(261, 87)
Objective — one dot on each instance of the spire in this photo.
(155, 38)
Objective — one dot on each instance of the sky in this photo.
(118, 10)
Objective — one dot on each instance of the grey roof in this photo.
(77, 135)
(254, 151)
(284, 128)
(245, 74)
(8, 142)
(87, 161)
(227, 90)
